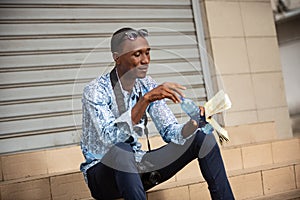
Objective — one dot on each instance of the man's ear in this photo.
(116, 56)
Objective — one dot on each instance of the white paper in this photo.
(219, 103)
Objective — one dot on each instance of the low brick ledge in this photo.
(42, 176)
(288, 195)
(230, 174)
(257, 143)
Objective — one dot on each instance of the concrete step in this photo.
(289, 195)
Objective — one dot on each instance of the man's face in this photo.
(134, 58)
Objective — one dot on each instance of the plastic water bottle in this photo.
(191, 109)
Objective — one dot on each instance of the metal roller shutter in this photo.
(50, 50)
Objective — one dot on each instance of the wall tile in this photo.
(178, 193)
(30, 190)
(251, 133)
(247, 185)
(279, 180)
(240, 91)
(199, 191)
(258, 19)
(269, 90)
(167, 184)
(190, 171)
(263, 54)
(70, 186)
(281, 118)
(232, 159)
(240, 118)
(286, 150)
(224, 18)
(64, 159)
(23, 165)
(257, 155)
(230, 55)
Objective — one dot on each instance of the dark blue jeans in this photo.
(117, 175)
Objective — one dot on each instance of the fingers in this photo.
(202, 111)
(175, 89)
(171, 94)
(178, 89)
(168, 90)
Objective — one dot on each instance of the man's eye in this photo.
(137, 54)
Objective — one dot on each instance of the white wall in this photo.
(290, 58)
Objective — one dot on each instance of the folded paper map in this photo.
(219, 103)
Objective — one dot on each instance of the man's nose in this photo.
(145, 59)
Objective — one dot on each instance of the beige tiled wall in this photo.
(241, 39)
(30, 164)
(179, 193)
(65, 159)
(24, 165)
(284, 175)
(247, 186)
(69, 186)
(199, 191)
(34, 190)
(257, 169)
(286, 150)
(258, 155)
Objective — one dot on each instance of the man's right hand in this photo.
(167, 90)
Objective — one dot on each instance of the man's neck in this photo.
(127, 82)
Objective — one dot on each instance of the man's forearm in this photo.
(189, 128)
(139, 109)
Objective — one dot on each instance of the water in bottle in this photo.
(190, 108)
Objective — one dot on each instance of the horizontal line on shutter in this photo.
(189, 73)
(86, 80)
(96, 6)
(71, 66)
(63, 21)
(43, 83)
(39, 116)
(39, 132)
(64, 97)
(85, 50)
(40, 99)
(80, 35)
(49, 67)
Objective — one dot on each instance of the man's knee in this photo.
(205, 143)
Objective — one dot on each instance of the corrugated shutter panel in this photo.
(50, 50)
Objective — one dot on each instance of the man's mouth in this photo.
(143, 68)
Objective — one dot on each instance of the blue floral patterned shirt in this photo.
(103, 126)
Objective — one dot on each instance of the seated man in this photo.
(114, 107)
